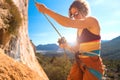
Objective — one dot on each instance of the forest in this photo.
(58, 67)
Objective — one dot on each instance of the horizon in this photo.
(70, 43)
(41, 32)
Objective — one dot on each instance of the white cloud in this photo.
(109, 36)
(110, 23)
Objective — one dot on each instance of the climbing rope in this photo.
(50, 22)
(62, 38)
(53, 25)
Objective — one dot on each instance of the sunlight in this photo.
(71, 39)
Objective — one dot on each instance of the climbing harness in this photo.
(82, 67)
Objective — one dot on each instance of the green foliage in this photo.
(113, 69)
(56, 68)
(15, 17)
(111, 49)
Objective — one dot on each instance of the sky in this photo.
(40, 31)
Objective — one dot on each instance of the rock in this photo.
(13, 70)
(14, 39)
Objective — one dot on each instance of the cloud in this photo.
(109, 35)
(111, 23)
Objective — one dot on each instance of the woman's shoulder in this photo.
(94, 25)
(92, 18)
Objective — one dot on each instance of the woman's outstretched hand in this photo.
(41, 7)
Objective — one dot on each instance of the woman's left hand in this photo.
(62, 42)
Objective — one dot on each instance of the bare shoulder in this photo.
(92, 21)
(94, 26)
(91, 18)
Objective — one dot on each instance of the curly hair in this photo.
(82, 6)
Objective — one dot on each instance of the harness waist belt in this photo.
(91, 53)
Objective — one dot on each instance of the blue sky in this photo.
(40, 31)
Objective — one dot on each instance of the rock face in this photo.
(13, 70)
(14, 39)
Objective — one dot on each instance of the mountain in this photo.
(48, 47)
(111, 49)
(104, 41)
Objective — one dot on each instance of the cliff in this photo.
(13, 70)
(14, 39)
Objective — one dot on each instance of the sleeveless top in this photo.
(87, 36)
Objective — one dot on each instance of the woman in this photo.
(88, 65)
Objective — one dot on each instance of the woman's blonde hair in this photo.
(82, 6)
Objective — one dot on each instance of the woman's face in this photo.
(75, 14)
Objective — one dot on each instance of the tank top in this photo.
(87, 36)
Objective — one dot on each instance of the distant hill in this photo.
(111, 49)
(48, 47)
(104, 41)
(52, 50)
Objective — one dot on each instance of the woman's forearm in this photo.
(64, 21)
